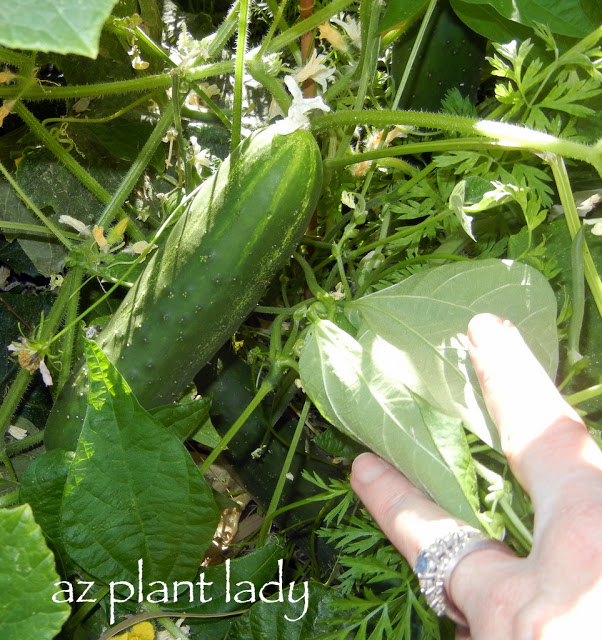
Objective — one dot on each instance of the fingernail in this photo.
(486, 327)
(367, 467)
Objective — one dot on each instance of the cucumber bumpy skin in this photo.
(197, 288)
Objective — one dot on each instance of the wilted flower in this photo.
(315, 70)
(30, 358)
(333, 36)
(78, 225)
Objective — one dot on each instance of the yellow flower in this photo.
(140, 631)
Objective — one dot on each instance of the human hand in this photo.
(556, 592)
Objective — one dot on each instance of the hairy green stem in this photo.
(144, 83)
(505, 135)
(218, 40)
(49, 224)
(241, 50)
(27, 443)
(411, 148)
(13, 58)
(265, 528)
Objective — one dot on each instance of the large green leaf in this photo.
(351, 385)
(64, 26)
(27, 580)
(565, 17)
(42, 487)
(133, 492)
(421, 327)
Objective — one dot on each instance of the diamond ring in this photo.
(436, 563)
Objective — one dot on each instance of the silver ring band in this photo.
(436, 563)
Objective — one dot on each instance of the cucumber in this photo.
(452, 55)
(203, 282)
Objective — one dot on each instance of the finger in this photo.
(543, 438)
(409, 518)
(412, 521)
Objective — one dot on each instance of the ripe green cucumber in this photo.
(203, 282)
(452, 55)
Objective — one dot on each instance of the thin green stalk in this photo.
(578, 299)
(49, 224)
(310, 278)
(367, 64)
(136, 169)
(34, 228)
(177, 119)
(85, 609)
(68, 340)
(316, 19)
(270, 34)
(574, 224)
(414, 52)
(145, 98)
(506, 135)
(266, 386)
(586, 394)
(241, 50)
(265, 528)
(521, 532)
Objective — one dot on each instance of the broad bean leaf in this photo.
(352, 386)
(565, 17)
(184, 418)
(421, 325)
(133, 492)
(397, 12)
(63, 26)
(27, 580)
(305, 619)
(486, 21)
(42, 487)
(257, 568)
